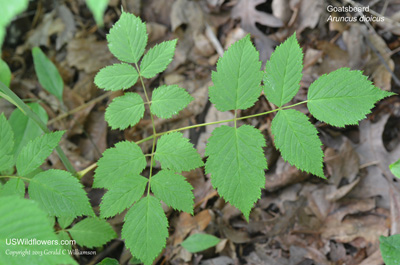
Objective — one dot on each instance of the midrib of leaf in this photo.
(153, 63)
(130, 107)
(237, 81)
(129, 40)
(166, 154)
(26, 131)
(328, 83)
(124, 196)
(247, 91)
(237, 157)
(121, 75)
(129, 161)
(343, 97)
(36, 155)
(299, 139)
(284, 74)
(81, 231)
(50, 188)
(237, 147)
(162, 100)
(335, 110)
(52, 79)
(18, 180)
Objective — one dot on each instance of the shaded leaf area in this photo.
(300, 218)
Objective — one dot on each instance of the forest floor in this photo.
(300, 218)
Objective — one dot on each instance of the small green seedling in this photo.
(199, 242)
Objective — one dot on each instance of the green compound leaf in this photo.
(36, 151)
(395, 168)
(174, 190)
(5, 73)
(128, 38)
(236, 163)
(145, 229)
(13, 187)
(116, 77)
(237, 82)
(125, 159)
(92, 232)
(60, 194)
(199, 242)
(283, 72)
(122, 195)
(157, 59)
(169, 100)
(176, 153)
(390, 249)
(47, 73)
(97, 7)
(125, 111)
(22, 219)
(108, 261)
(298, 141)
(24, 128)
(343, 97)
(6, 144)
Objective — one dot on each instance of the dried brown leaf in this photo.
(373, 153)
(88, 54)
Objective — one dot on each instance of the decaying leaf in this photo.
(249, 16)
(373, 153)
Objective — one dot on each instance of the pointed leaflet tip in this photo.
(236, 162)
(298, 141)
(343, 97)
(145, 229)
(237, 81)
(175, 152)
(157, 58)
(125, 111)
(60, 194)
(35, 152)
(128, 38)
(92, 232)
(115, 77)
(174, 190)
(169, 100)
(126, 158)
(122, 194)
(283, 72)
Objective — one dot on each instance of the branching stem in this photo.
(155, 135)
(15, 177)
(154, 129)
(235, 119)
(218, 122)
